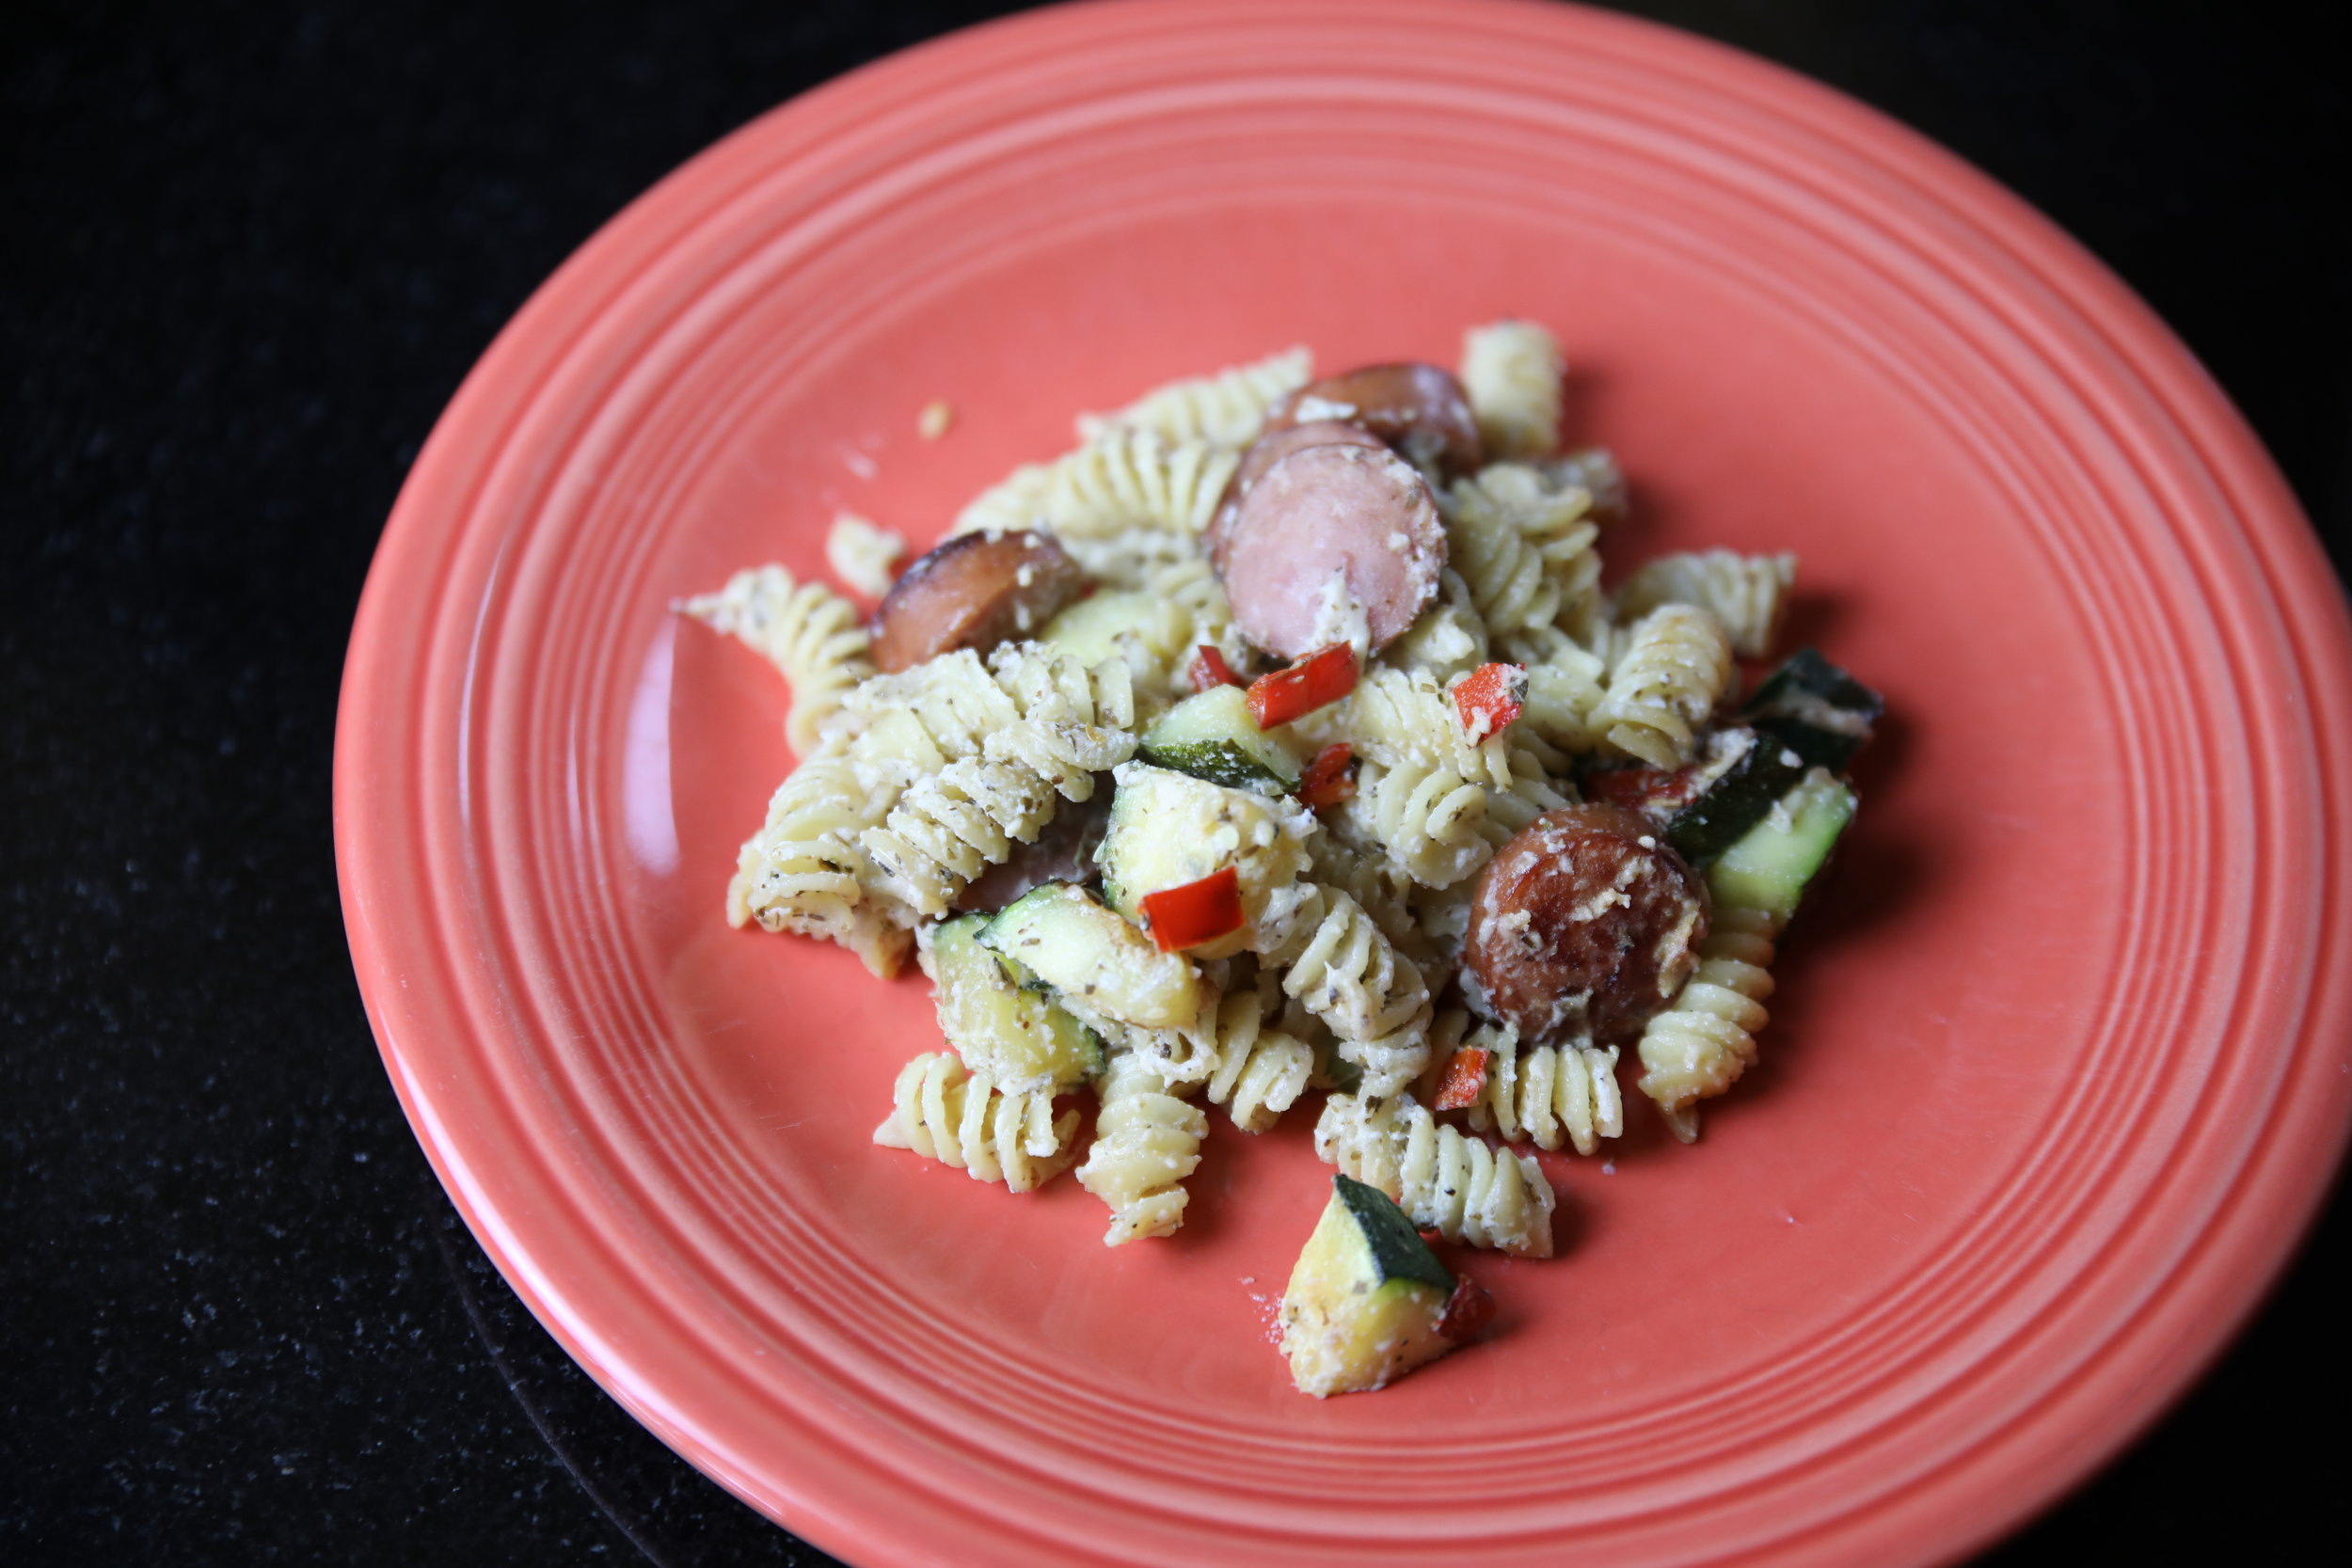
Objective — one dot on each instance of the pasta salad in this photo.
(1281, 740)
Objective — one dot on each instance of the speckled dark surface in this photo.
(243, 260)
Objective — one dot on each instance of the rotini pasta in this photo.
(1225, 408)
(806, 630)
(1676, 667)
(1374, 999)
(962, 1119)
(1146, 1141)
(862, 555)
(1698, 1047)
(1524, 547)
(1444, 1181)
(1512, 370)
(1748, 593)
(1548, 1094)
(1135, 478)
(1261, 1071)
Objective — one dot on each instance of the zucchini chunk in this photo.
(1090, 631)
(1367, 1299)
(1772, 866)
(1814, 709)
(1058, 938)
(1168, 829)
(1214, 736)
(1016, 1036)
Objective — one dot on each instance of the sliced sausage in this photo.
(1063, 852)
(1265, 452)
(1326, 529)
(1418, 410)
(975, 590)
(1586, 922)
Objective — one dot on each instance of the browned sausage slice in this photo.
(1265, 452)
(1418, 410)
(975, 590)
(1584, 922)
(1063, 852)
(1325, 526)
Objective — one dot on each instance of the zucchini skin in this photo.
(1816, 710)
(1217, 762)
(1397, 1250)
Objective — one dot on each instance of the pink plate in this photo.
(2057, 1072)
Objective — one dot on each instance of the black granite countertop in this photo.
(246, 255)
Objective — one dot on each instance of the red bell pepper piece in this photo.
(1330, 778)
(1464, 1080)
(1208, 669)
(1488, 698)
(1196, 912)
(1467, 1311)
(1306, 685)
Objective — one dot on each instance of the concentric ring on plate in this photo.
(2056, 1083)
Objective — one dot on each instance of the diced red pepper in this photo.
(1464, 1080)
(1468, 1310)
(1208, 670)
(1196, 912)
(1306, 685)
(1488, 698)
(1330, 778)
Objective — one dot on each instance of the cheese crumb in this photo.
(933, 422)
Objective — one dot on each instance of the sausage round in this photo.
(973, 590)
(1418, 408)
(1584, 922)
(1265, 452)
(1324, 525)
(1063, 852)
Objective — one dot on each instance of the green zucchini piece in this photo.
(1169, 829)
(1016, 1035)
(1744, 775)
(1815, 709)
(1213, 736)
(1056, 936)
(1366, 1297)
(1772, 866)
(1090, 629)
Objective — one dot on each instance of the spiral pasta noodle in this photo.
(1675, 666)
(1261, 1071)
(1374, 999)
(802, 871)
(1146, 1141)
(1548, 1095)
(808, 631)
(1069, 724)
(1385, 890)
(1524, 547)
(1512, 370)
(1698, 1047)
(1225, 408)
(1399, 717)
(1429, 819)
(1564, 688)
(1449, 640)
(962, 1119)
(1444, 1180)
(1748, 593)
(1130, 477)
